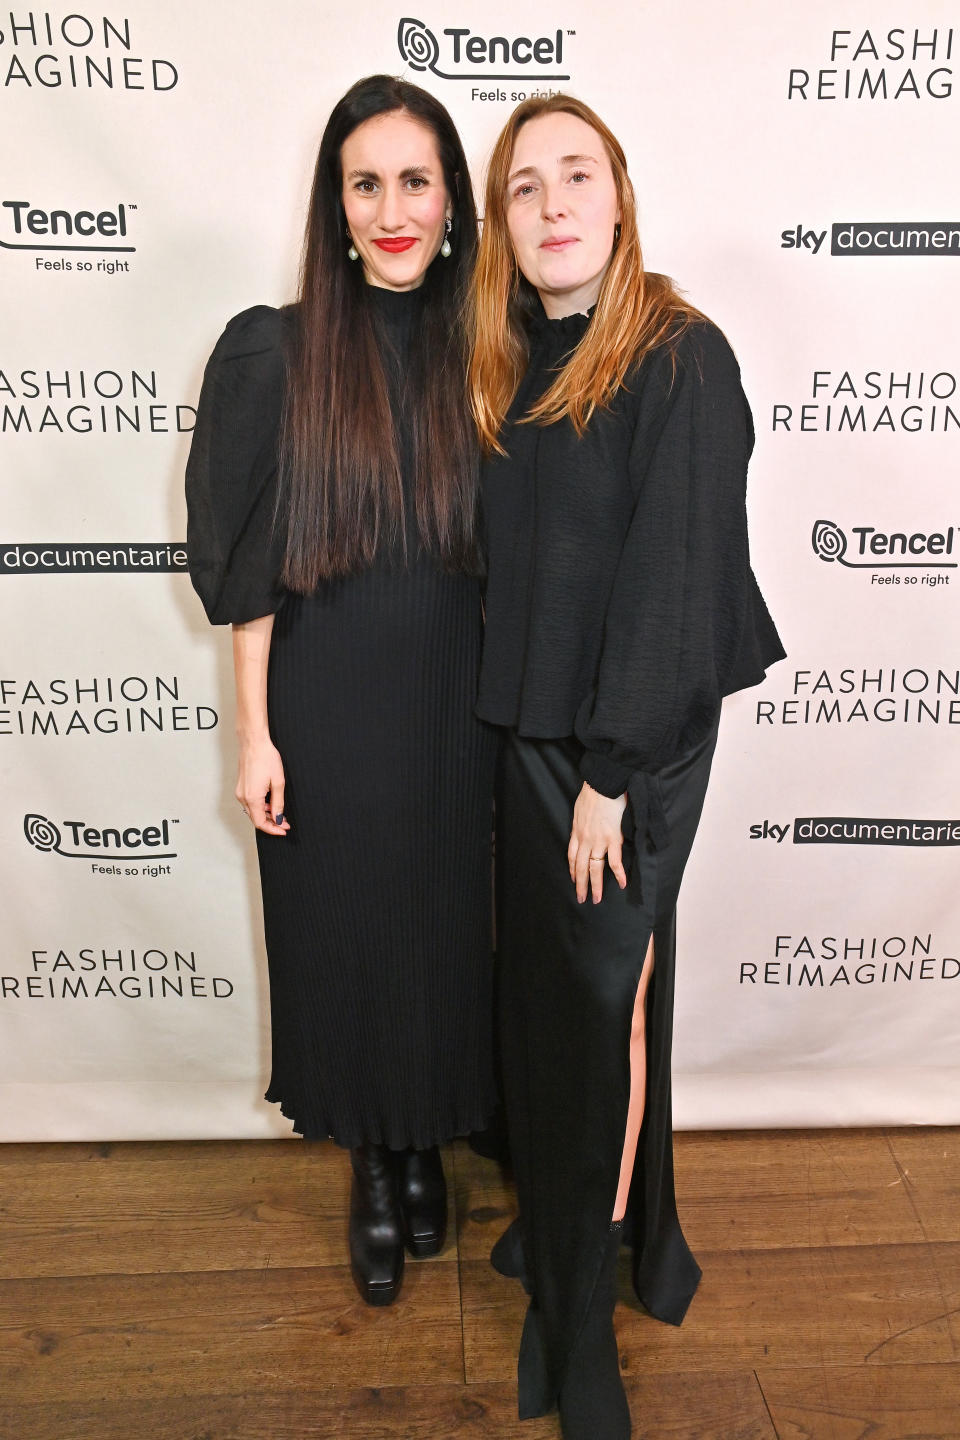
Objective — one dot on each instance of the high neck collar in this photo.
(564, 333)
(394, 304)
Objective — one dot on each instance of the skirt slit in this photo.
(636, 1062)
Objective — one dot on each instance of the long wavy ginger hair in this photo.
(635, 312)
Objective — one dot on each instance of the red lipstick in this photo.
(396, 244)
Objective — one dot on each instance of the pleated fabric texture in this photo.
(568, 982)
(377, 904)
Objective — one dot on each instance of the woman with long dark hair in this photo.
(333, 523)
(620, 609)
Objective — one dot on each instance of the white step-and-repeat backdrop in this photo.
(799, 181)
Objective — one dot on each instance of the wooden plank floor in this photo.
(198, 1291)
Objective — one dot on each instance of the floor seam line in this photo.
(766, 1406)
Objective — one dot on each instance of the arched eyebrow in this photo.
(562, 160)
(407, 173)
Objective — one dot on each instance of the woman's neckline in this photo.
(565, 327)
(397, 301)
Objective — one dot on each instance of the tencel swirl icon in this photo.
(41, 832)
(829, 541)
(882, 550)
(417, 44)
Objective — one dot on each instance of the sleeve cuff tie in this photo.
(650, 824)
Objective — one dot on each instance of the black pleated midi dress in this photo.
(621, 608)
(377, 905)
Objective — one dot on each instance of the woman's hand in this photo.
(260, 785)
(260, 781)
(596, 839)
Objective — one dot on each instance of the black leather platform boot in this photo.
(376, 1240)
(422, 1192)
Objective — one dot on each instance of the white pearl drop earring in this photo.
(445, 249)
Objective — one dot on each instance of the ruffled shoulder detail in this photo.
(234, 548)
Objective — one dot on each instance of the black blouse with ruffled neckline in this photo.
(567, 328)
(621, 606)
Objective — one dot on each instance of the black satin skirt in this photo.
(568, 982)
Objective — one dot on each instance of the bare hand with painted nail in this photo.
(260, 777)
(596, 840)
(260, 785)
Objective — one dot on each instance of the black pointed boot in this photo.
(507, 1256)
(376, 1241)
(422, 1192)
(592, 1401)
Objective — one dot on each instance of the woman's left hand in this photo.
(596, 839)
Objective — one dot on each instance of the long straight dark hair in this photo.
(339, 454)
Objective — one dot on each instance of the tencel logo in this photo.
(462, 54)
(878, 548)
(27, 226)
(91, 842)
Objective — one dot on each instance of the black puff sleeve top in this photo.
(234, 548)
(621, 606)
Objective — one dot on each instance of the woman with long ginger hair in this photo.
(333, 522)
(620, 609)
